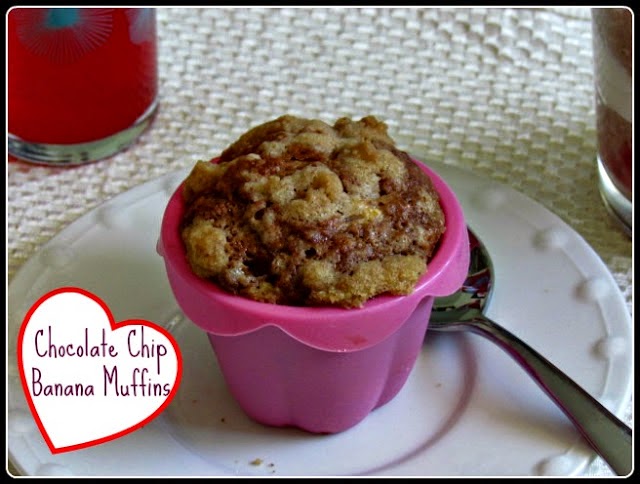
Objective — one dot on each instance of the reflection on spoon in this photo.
(461, 311)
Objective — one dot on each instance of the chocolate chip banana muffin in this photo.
(299, 212)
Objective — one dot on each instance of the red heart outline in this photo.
(114, 326)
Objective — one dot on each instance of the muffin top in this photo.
(298, 212)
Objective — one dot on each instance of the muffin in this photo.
(295, 337)
(298, 212)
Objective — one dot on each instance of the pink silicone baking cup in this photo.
(322, 369)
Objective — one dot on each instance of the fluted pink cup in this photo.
(322, 369)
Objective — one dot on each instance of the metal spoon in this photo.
(608, 436)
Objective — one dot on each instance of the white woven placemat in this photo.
(506, 93)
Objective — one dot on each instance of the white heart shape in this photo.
(88, 379)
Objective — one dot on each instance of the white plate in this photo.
(467, 408)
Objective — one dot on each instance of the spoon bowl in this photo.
(465, 311)
(474, 294)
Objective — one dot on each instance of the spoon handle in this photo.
(609, 436)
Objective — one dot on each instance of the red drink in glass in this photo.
(82, 82)
(612, 55)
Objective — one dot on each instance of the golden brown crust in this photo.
(299, 212)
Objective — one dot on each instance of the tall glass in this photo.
(613, 70)
(82, 82)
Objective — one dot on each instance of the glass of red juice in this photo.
(82, 82)
(613, 64)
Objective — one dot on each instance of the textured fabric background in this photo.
(506, 93)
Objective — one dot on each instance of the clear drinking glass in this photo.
(82, 82)
(613, 69)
